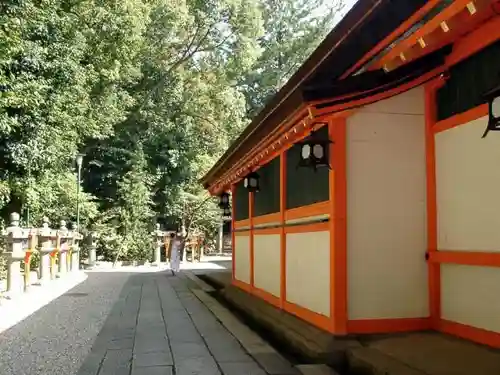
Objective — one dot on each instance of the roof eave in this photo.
(352, 19)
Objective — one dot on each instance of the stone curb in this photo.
(259, 349)
(365, 360)
(202, 284)
(315, 370)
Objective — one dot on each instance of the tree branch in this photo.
(186, 55)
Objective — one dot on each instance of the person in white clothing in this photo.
(175, 254)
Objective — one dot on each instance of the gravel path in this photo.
(56, 339)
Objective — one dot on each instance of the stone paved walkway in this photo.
(158, 327)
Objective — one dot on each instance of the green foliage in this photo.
(55, 196)
(152, 91)
(293, 30)
(135, 212)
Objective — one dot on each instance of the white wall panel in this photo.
(267, 260)
(386, 210)
(308, 270)
(242, 258)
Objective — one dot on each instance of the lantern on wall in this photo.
(224, 204)
(251, 182)
(314, 152)
(493, 98)
(224, 200)
(226, 212)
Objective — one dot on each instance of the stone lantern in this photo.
(75, 251)
(63, 247)
(158, 236)
(46, 246)
(17, 244)
(92, 245)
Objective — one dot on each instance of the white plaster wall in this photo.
(407, 103)
(242, 258)
(267, 260)
(471, 295)
(308, 270)
(467, 188)
(386, 209)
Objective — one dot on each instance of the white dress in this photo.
(175, 258)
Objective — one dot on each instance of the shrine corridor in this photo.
(124, 323)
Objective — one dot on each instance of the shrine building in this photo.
(364, 195)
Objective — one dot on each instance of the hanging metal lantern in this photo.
(224, 200)
(226, 212)
(493, 98)
(314, 152)
(251, 182)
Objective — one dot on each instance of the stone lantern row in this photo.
(160, 238)
(58, 249)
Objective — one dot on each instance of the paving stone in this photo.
(183, 334)
(197, 366)
(231, 355)
(275, 364)
(168, 324)
(145, 328)
(188, 350)
(244, 368)
(156, 370)
(116, 362)
(159, 358)
(227, 349)
(146, 346)
(219, 333)
(123, 333)
(126, 343)
(177, 317)
(150, 320)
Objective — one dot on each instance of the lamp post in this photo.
(79, 161)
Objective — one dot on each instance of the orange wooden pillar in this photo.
(434, 269)
(282, 230)
(233, 240)
(250, 215)
(338, 226)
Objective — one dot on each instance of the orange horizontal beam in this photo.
(269, 218)
(258, 153)
(241, 223)
(266, 296)
(393, 36)
(481, 37)
(461, 118)
(470, 258)
(260, 231)
(318, 320)
(307, 228)
(451, 11)
(470, 333)
(315, 209)
(365, 326)
(242, 285)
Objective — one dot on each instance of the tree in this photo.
(150, 90)
(293, 29)
(64, 71)
(188, 107)
(134, 213)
